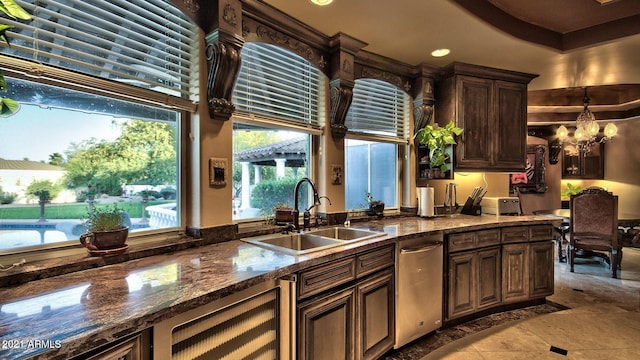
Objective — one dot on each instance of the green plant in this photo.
(570, 190)
(7, 198)
(8, 106)
(437, 138)
(105, 219)
(44, 190)
(267, 194)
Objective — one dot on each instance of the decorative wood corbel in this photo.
(422, 114)
(555, 147)
(223, 58)
(341, 97)
(343, 50)
(424, 97)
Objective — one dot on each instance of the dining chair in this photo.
(594, 226)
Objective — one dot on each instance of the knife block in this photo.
(470, 209)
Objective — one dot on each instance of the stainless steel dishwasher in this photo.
(418, 287)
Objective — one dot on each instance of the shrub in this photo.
(168, 193)
(7, 198)
(268, 194)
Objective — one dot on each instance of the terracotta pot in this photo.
(284, 215)
(105, 240)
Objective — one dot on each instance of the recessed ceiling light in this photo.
(322, 2)
(440, 52)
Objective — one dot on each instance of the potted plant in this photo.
(106, 233)
(283, 214)
(437, 139)
(376, 207)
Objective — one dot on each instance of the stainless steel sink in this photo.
(313, 240)
(346, 234)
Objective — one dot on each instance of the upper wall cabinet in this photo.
(491, 106)
(585, 164)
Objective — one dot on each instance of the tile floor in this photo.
(602, 322)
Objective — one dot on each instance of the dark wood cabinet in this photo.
(583, 165)
(494, 267)
(355, 317)
(474, 281)
(515, 272)
(491, 106)
(375, 332)
(326, 327)
(473, 272)
(542, 270)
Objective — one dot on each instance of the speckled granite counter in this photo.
(64, 316)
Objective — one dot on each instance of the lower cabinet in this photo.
(326, 327)
(542, 269)
(527, 271)
(515, 268)
(253, 323)
(375, 315)
(474, 281)
(486, 269)
(355, 320)
(137, 347)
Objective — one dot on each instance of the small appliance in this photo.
(501, 205)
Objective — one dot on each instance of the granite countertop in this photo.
(66, 315)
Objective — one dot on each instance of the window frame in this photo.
(312, 126)
(401, 138)
(14, 67)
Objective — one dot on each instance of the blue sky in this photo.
(36, 132)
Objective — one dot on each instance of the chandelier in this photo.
(587, 129)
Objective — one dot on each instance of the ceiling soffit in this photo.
(573, 24)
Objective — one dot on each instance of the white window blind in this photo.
(378, 108)
(143, 43)
(279, 84)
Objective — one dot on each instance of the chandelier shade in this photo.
(587, 129)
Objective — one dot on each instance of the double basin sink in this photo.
(312, 240)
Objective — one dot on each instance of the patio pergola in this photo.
(290, 153)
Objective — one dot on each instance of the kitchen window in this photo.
(377, 121)
(103, 87)
(279, 98)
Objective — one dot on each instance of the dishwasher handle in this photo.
(429, 247)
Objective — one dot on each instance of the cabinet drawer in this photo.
(488, 238)
(541, 232)
(375, 260)
(326, 276)
(515, 234)
(462, 241)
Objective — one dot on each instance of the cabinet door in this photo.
(375, 299)
(136, 348)
(515, 272)
(583, 165)
(510, 127)
(489, 282)
(474, 113)
(541, 277)
(462, 284)
(326, 327)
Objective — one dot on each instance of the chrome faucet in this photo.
(296, 211)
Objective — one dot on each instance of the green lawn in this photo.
(67, 211)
